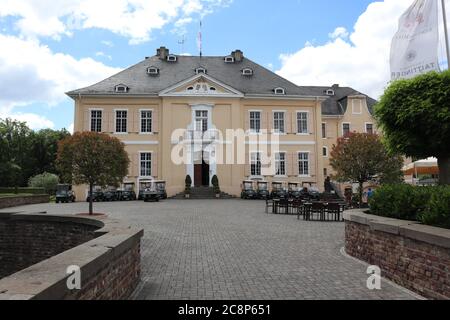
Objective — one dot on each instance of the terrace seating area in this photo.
(309, 210)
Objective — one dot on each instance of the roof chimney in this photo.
(238, 55)
(162, 53)
(335, 86)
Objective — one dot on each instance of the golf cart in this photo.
(111, 194)
(143, 185)
(161, 189)
(128, 194)
(313, 191)
(263, 190)
(97, 195)
(155, 192)
(277, 191)
(64, 193)
(247, 190)
(293, 190)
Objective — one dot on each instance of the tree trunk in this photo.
(444, 170)
(360, 193)
(91, 199)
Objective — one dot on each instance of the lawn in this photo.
(10, 195)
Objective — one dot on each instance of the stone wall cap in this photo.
(408, 229)
(429, 234)
(47, 279)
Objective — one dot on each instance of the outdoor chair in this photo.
(285, 205)
(319, 209)
(334, 210)
(269, 205)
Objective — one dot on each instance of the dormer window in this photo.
(152, 71)
(247, 72)
(121, 88)
(279, 91)
(229, 59)
(330, 92)
(172, 58)
(200, 71)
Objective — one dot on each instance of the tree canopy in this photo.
(25, 153)
(94, 159)
(362, 157)
(414, 115)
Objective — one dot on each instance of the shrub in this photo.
(46, 181)
(437, 212)
(428, 205)
(215, 183)
(399, 201)
(188, 184)
(35, 191)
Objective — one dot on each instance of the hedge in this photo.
(35, 191)
(428, 205)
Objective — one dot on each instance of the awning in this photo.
(427, 166)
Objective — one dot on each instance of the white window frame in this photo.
(325, 148)
(203, 118)
(252, 131)
(155, 69)
(115, 121)
(140, 164)
(274, 131)
(279, 91)
(309, 164)
(349, 127)
(151, 121)
(365, 127)
(330, 92)
(116, 88)
(254, 162)
(90, 119)
(321, 130)
(278, 162)
(247, 72)
(360, 105)
(307, 123)
(201, 70)
(229, 59)
(172, 58)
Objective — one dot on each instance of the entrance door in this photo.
(201, 174)
(198, 175)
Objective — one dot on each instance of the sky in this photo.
(50, 47)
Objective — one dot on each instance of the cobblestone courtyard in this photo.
(231, 249)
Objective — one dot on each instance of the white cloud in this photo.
(70, 128)
(103, 55)
(339, 32)
(135, 19)
(361, 61)
(31, 73)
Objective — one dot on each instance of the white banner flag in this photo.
(414, 48)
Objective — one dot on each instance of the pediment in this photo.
(201, 85)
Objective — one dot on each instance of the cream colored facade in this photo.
(225, 108)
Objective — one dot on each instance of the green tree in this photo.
(44, 149)
(94, 159)
(47, 181)
(15, 154)
(361, 157)
(415, 117)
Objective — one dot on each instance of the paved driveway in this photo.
(231, 249)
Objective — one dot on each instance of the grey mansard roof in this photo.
(263, 82)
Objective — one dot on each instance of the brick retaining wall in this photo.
(412, 255)
(107, 252)
(9, 202)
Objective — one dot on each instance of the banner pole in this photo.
(447, 46)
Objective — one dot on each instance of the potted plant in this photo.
(215, 183)
(188, 185)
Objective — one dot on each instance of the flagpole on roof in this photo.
(447, 46)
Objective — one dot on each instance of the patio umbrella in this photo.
(427, 166)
